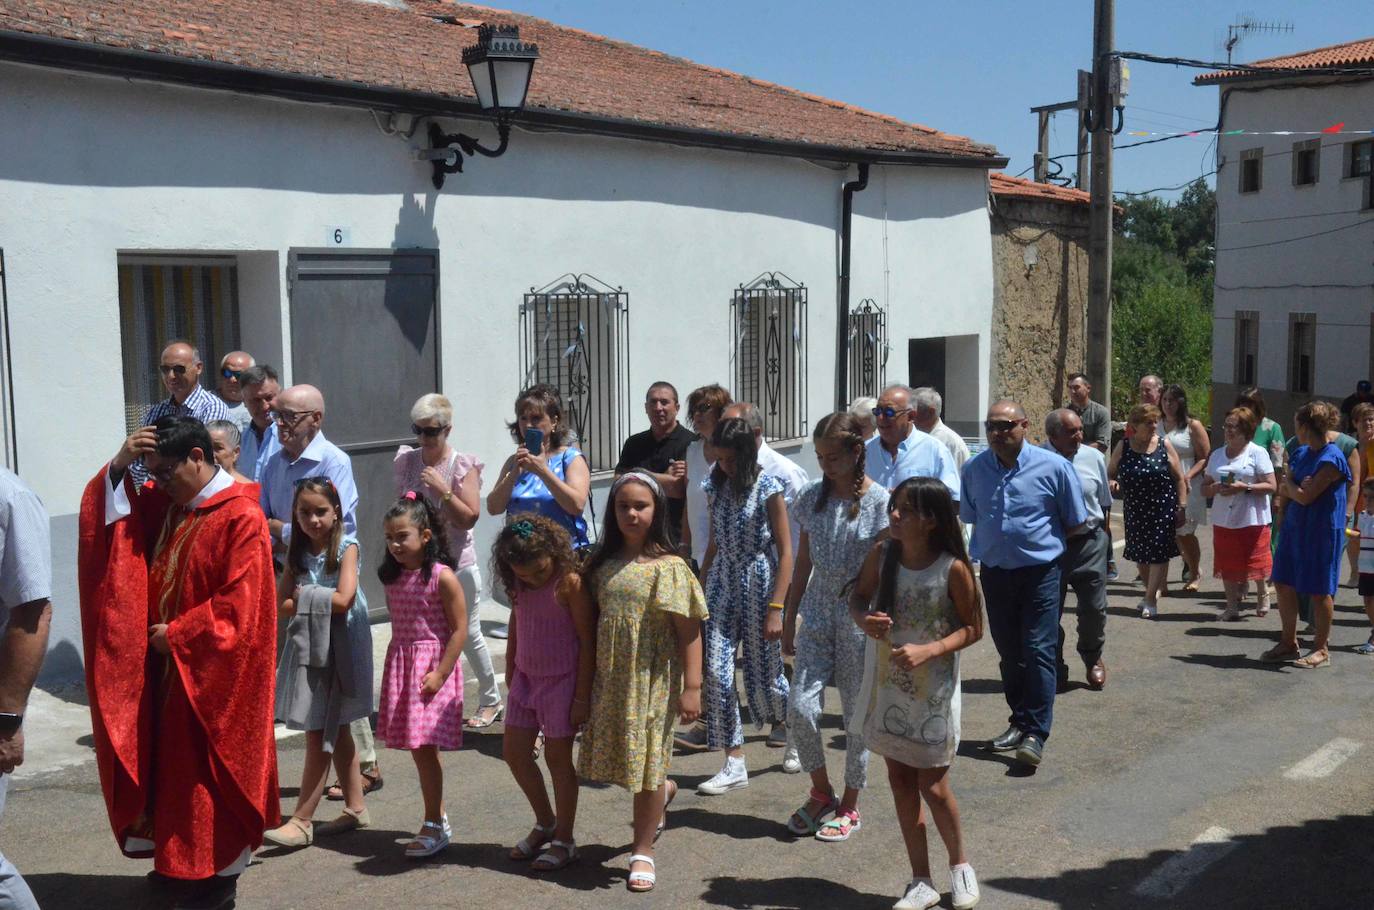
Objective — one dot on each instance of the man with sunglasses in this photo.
(899, 450)
(299, 414)
(229, 387)
(1023, 502)
(180, 368)
(178, 615)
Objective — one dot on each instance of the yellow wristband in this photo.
(776, 606)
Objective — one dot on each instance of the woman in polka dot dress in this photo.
(1146, 471)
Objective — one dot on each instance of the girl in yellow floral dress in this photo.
(648, 659)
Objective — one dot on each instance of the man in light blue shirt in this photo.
(898, 450)
(1083, 566)
(259, 439)
(1023, 503)
(298, 414)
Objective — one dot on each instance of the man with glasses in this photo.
(178, 613)
(299, 414)
(1023, 503)
(180, 368)
(899, 450)
(229, 387)
(259, 439)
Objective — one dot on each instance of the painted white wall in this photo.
(1256, 273)
(91, 167)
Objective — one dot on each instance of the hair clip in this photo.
(523, 529)
(411, 495)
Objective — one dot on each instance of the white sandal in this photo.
(646, 879)
(547, 862)
(424, 845)
(527, 850)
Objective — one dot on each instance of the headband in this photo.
(639, 476)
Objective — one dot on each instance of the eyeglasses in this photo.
(231, 374)
(178, 369)
(1000, 426)
(164, 473)
(289, 418)
(316, 478)
(889, 413)
(427, 432)
(702, 409)
(1230, 425)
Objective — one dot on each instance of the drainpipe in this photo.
(842, 312)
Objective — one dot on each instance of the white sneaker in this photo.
(791, 761)
(964, 885)
(731, 777)
(920, 895)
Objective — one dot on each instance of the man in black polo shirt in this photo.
(661, 450)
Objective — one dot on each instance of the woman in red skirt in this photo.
(1240, 480)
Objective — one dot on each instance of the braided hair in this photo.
(846, 429)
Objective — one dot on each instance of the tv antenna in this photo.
(1248, 25)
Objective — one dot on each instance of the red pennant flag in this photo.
(1335, 127)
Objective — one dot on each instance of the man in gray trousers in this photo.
(1083, 566)
(25, 613)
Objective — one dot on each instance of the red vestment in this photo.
(183, 743)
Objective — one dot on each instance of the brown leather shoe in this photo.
(1097, 676)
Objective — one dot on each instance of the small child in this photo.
(925, 610)
(1364, 529)
(324, 677)
(648, 659)
(747, 569)
(550, 659)
(422, 684)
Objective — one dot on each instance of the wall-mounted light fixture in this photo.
(500, 65)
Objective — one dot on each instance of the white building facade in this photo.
(135, 210)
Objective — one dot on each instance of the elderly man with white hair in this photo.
(298, 413)
(926, 408)
(229, 386)
(900, 450)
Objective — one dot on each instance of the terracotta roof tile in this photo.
(1351, 53)
(405, 46)
(1006, 185)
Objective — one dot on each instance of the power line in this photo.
(1171, 114)
(1165, 189)
(1293, 217)
(1249, 67)
(1255, 246)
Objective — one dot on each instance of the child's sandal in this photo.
(424, 845)
(527, 849)
(640, 882)
(549, 862)
(840, 827)
(802, 823)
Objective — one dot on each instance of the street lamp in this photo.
(500, 65)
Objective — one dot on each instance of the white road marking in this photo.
(1179, 870)
(1325, 760)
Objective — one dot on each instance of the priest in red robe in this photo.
(178, 615)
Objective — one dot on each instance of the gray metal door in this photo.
(365, 330)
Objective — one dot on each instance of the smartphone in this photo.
(534, 440)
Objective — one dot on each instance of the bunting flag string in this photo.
(1335, 129)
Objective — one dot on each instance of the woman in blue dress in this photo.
(1308, 559)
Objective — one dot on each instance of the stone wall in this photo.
(1040, 269)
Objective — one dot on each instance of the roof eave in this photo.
(62, 53)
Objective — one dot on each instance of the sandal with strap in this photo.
(840, 827)
(372, 781)
(803, 823)
(294, 832)
(640, 882)
(1280, 655)
(424, 845)
(478, 722)
(667, 801)
(1316, 659)
(527, 849)
(548, 862)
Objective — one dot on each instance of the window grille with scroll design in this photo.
(768, 316)
(868, 350)
(574, 335)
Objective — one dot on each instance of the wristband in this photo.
(776, 606)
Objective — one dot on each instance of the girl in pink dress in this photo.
(422, 686)
(550, 661)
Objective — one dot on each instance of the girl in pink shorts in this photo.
(550, 661)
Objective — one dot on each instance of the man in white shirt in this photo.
(927, 406)
(899, 450)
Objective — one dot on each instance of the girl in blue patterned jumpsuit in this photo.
(748, 566)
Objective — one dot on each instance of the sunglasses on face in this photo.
(702, 409)
(1000, 426)
(231, 374)
(889, 413)
(427, 432)
(288, 419)
(178, 369)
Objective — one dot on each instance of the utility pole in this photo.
(1099, 340)
(1042, 135)
(1085, 93)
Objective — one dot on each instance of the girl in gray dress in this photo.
(924, 609)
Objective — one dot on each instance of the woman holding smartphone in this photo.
(547, 474)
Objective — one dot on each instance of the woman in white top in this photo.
(1189, 439)
(704, 406)
(1240, 478)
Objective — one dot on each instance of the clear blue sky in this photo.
(976, 68)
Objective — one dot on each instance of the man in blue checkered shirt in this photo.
(180, 367)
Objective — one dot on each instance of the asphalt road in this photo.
(1198, 778)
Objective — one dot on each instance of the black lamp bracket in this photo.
(446, 150)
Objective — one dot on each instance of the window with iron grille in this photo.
(161, 299)
(868, 350)
(1306, 162)
(769, 319)
(1302, 352)
(1360, 158)
(1247, 347)
(1251, 170)
(573, 337)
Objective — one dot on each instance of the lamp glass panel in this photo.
(481, 81)
(512, 79)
